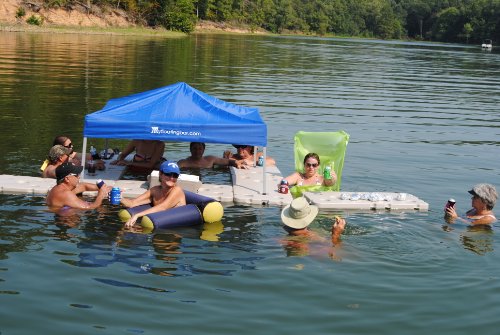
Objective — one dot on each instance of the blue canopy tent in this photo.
(177, 112)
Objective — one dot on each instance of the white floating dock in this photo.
(366, 201)
(247, 189)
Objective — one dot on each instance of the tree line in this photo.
(461, 21)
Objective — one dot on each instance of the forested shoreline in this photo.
(459, 21)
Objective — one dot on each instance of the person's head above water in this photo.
(299, 214)
(487, 193)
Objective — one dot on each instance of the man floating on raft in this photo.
(167, 205)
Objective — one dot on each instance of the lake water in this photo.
(423, 119)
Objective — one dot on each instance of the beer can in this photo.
(328, 172)
(260, 162)
(283, 187)
(114, 196)
(450, 203)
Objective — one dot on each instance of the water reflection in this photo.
(316, 247)
(476, 238)
(101, 241)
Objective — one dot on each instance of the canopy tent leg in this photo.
(264, 171)
(84, 155)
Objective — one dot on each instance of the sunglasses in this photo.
(69, 146)
(172, 175)
(312, 165)
(240, 146)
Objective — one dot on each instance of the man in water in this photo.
(64, 194)
(245, 153)
(296, 218)
(197, 160)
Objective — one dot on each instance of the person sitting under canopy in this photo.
(246, 154)
(197, 160)
(148, 155)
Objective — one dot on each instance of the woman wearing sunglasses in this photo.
(75, 157)
(310, 176)
(162, 197)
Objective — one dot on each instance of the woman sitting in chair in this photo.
(311, 175)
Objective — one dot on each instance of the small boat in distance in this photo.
(487, 44)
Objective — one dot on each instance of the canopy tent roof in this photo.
(177, 112)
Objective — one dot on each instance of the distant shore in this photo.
(203, 27)
(80, 21)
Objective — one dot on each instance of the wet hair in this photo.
(311, 155)
(193, 143)
(60, 140)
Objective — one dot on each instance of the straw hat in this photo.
(299, 214)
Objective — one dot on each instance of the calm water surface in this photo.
(423, 119)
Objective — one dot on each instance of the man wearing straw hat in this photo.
(299, 214)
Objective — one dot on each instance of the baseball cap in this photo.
(65, 169)
(57, 151)
(169, 167)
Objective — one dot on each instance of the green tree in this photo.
(446, 27)
(467, 31)
(179, 15)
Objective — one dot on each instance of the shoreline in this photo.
(132, 30)
(15, 15)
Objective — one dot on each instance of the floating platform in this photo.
(247, 189)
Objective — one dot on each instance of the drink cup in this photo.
(401, 196)
(115, 196)
(91, 168)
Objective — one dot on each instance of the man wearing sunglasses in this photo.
(75, 157)
(64, 194)
(162, 197)
(197, 160)
(58, 155)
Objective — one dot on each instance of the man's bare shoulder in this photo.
(58, 196)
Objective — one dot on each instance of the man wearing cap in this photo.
(484, 198)
(64, 194)
(162, 197)
(197, 160)
(299, 214)
(58, 154)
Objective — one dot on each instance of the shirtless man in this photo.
(296, 218)
(299, 214)
(64, 194)
(246, 154)
(165, 196)
(197, 160)
(58, 155)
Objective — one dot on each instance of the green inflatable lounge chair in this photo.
(330, 147)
